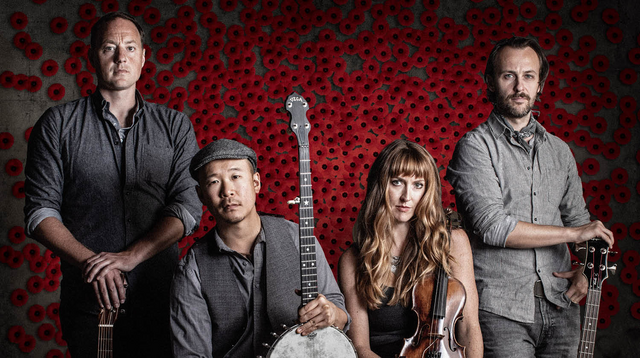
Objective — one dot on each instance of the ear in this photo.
(256, 182)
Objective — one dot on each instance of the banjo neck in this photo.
(298, 107)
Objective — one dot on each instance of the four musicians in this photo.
(516, 186)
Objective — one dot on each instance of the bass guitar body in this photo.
(325, 342)
(438, 301)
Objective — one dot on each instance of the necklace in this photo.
(395, 261)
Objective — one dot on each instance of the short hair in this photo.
(517, 43)
(98, 28)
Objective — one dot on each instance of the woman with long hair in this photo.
(401, 237)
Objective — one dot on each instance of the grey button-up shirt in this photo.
(498, 183)
(109, 189)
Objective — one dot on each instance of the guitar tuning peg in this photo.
(274, 334)
(613, 252)
(577, 263)
(294, 201)
(580, 248)
(612, 269)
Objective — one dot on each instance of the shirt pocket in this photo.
(155, 163)
(555, 183)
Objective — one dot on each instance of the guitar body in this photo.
(325, 342)
(329, 341)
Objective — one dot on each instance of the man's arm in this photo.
(110, 289)
(526, 235)
(189, 317)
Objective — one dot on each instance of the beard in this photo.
(508, 110)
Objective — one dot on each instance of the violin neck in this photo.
(439, 304)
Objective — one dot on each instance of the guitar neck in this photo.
(588, 335)
(308, 270)
(106, 321)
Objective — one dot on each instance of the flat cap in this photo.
(222, 149)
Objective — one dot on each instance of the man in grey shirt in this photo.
(238, 282)
(108, 190)
(518, 189)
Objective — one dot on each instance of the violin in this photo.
(438, 301)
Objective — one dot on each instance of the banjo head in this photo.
(325, 342)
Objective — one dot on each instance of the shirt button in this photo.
(528, 168)
(244, 264)
(535, 219)
(539, 270)
(534, 193)
(116, 142)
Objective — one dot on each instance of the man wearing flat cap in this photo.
(238, 283)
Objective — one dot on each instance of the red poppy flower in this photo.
(6, 140)
(58, 25)
(553, 21)
(36, 313)
(51, 284)
(591, 166)
(230, 5)
(56, 91)
(49, 68)
(27, 344)
(13, 167)
(31, 251)
(622, 194)
(19, 20)
(628, 76)
(55, 353)
(53, 270)
(35, 284)
(18, 189)
(19, 297)
(554, 5)
(89, 88)
(16, 234)
(629, 275)
(16, 334)
(564, 37)
(73, 66)
(634, 56)
(622, 136)
(627, 120)
(620, 176)
(21, 40)
(630, 258)
(579, 13)
(151, 15)
(491, 15)
(33, 51)
(528, 10)
(7, 79)
(600, 63)
(136, 8)
(634, 231)
(204, 6)
(46, 331)
(21, 82)
(611, 151)
(110, 6)
(82, 29)
(87, 11)
(614, 35)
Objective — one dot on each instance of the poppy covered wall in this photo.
(371, 70)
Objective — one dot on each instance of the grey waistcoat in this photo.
(221, 292)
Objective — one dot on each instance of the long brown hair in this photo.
(427, 244)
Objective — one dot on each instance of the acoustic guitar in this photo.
(596, 271)
(329, 341)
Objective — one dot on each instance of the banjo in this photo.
(329, 341)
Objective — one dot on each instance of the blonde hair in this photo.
(427, 244)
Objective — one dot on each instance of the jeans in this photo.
(554, 333)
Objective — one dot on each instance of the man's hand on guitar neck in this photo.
(320, 313)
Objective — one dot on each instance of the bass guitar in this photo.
(106, 320)
(329, 341)
(596, 271)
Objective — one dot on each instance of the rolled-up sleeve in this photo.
(189, 317)
(477, 190)
(183, 202)
(44, 179)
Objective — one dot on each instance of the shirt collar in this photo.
(222, 247)
(102, 105)
(499, 127)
